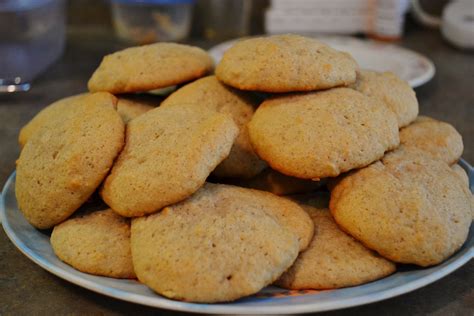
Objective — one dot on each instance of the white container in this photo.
(148, 21)
(32, 34)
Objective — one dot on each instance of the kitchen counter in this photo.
(26, 289)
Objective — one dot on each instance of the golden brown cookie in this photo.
(333, 258)
(438, 139)
(210, 93)
(169, 153)
(66, 159)
(277, 183)
(395, 93)
(131, 106)
(408, 207)
(97, 243)
(322, 134)
(212, 247)
(150, 67)
(285, 63)
(52, 110)
(128, 107)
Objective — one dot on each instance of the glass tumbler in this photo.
(148, 21)
(32, 36)
(225, 19)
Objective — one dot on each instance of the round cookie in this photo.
(132, 106)
(97, 243)
(212, 247)
(395, 93)
(277, 183)
(408, 207)
(285, 63)
(150, 67)
(210, 93)
(169, 153)
(51, 111)
(333, 258)
(322, 134)
(67, 158)
(438, 139)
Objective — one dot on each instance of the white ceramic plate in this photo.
(412, 67)
(271, 300)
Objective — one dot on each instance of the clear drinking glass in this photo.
(148, 21)
(32, 36)
(225, 19)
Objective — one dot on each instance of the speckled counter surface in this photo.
(26, 289)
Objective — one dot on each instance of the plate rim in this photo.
(451, 265)
(414, 83)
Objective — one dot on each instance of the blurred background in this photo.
(33, 33)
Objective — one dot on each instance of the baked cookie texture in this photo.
(128, 107)
(395, 93)
(67, 158)
(150, 67)
(461, 173)
(438, 139)
(96, 243)
(132, 106)
(465, 179)
(288, 213)
(408, 207)
(322, 134)
(51, 111)
(277, 183)
(285, 63)
(212, 247)
(169, 152)
(333, 258)
(209, 93)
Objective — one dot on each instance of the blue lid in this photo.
(155, 1)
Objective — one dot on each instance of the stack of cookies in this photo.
(289, 166)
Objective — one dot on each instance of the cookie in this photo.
(67, 158)
(285, 63)
(322, 134)
(408, 207)
(128, 107)
(438, 139)
(212, 247)
(150, 67)
(333, 258)
(210, 93)
(132, 106)
(277, 183)
(169, 153)
(97, 243)
(51, 111)
(395, 93)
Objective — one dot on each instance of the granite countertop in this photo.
(27, 289)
